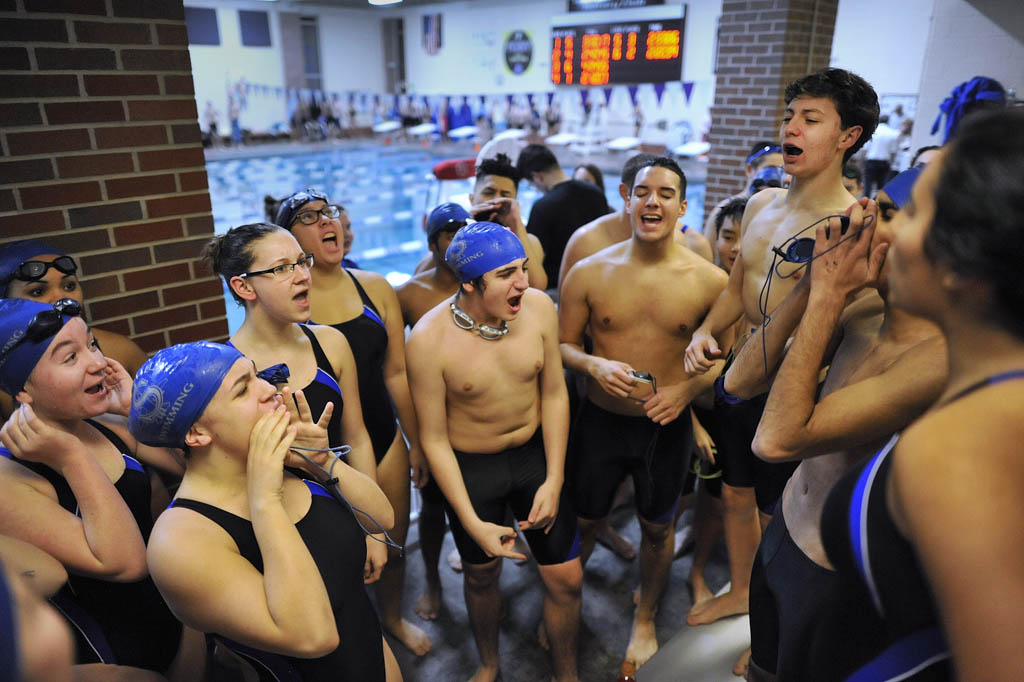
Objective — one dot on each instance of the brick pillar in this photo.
(763, 45)
(101, 156)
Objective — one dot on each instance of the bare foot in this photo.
(486, 675)
(542, 637)
(428, 606)
(643, 643)
(684, 541)
(729, 604)
(454, 561)
(742, 664)
(701, 591)
(411, 636)
(610, 538)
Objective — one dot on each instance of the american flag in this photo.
(432, 33)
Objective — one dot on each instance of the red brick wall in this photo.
(101, 156)
(763, 45)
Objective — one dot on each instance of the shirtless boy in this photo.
(486, 379)
(886, 368)
(616, 227)
(828, 117)
(641, 299)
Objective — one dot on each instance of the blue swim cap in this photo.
(482, 247)
(899, 187)
(8, 627)
(449, 216)
(15, 253)
(19, 357)
(173, 388)
(965, 97)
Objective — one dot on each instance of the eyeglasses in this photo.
(312, 217)
(284, 271)
(31, 270)
(47, 323)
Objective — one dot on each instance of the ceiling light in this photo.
(384, 2)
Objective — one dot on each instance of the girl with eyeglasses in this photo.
(269, 561)
(71, 483)
(37, 271)
(364, 307)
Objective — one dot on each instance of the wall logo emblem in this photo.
(518, 51)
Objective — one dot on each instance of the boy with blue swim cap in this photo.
(486, 379)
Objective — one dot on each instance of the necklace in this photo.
(464, 320)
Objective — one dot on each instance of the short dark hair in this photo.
(760, 146)
(984, 239)
(664, 162)
(854, 98)
(595, 172)
(732, 210)
(633, 166)
(922, 150)
(230, 254)
(535, 158)
(501, 166)
(853, 172)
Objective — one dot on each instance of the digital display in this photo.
(625, 52)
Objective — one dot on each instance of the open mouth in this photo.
(302, 297)
(95, 389)
(792, 150)
(331, 238)
(515, 301)
(650, 219)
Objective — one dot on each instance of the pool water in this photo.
(387, 192)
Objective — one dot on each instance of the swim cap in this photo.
(769, 176)
(446, 217)
(292, 204)
(19, 357)
(482, 247)
(173, 388)
(899, 187)
(8, 627)
(15, 253)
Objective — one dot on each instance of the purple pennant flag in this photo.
(607, 95)
(508, 98)
(551, 98)
(529, 98)
(688, 90)
(584, 95)
(632, 94)
(659, 90)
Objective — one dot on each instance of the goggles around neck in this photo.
(464, 320)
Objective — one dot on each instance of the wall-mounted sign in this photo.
(592, 5)
(624, 52)
(518, 51)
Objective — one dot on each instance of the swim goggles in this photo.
(464, 321)
(767, 149)
(31, 270)
(47, 323)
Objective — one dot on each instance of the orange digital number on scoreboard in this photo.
(662, 45)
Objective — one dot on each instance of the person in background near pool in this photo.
(853, 179)
(885, 368)
(71, 484)
(828, 117)
(34, 270)
(637, 330)
(566, 205)
(925, 536)
(616, 227)
(421, 293)
(249, 551)
(487, 379)
(363, 306)
(588, 172)
(762, 155)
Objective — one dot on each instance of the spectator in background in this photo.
(588, 172)
(853, 179)
(924, 155)
(880, 152)
(763, 153)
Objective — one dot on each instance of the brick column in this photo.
(101, 156)
(763, 45)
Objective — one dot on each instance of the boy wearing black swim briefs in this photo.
(644, 326)
(486, 376)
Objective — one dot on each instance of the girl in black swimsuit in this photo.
(364, 307)
(269, 561)
(927, 534)
(73, 486)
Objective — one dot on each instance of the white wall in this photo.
(883, 41)
(964, 43)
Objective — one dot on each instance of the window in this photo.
(255, 28)
(202, 26)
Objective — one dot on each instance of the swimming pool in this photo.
(386, 190)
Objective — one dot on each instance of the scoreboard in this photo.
(624, 53)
